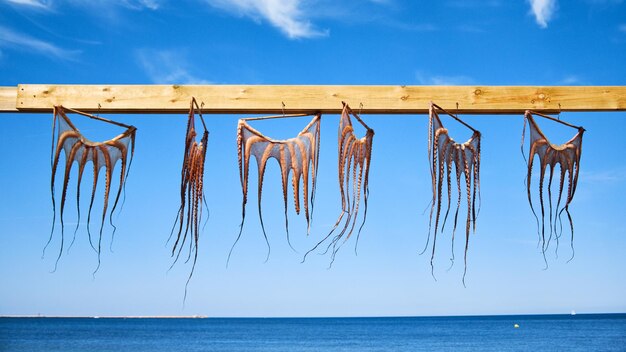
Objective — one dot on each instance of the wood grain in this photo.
(8, 98)
(253, 99)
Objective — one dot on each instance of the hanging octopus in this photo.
(354, 166)
(77, 148)
(189, 213)
(298, 156)
(444, 152)
(567, 156)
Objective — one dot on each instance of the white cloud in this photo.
(286, 15)
(130, 4)
(166, 67)
(603, 176)
(468, 28)
(473, 3)
(12, 39)
(605, 2)
(41, 4)
(411, 27)
(543, 10)
(141, 4)
(570, 80)
(439, 80)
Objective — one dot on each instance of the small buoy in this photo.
(516, 326)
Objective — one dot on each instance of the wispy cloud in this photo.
(141, 4)
(129, 4)
(289, 16)
(473, 3)
(167, 67)
(603, 176)
(468, 28)
(411, 27)
(15, 40)
(38, 4)
(543, 10)
(605, 2)
(571, 80)
(442, 80)
(98, 4)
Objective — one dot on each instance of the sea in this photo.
(581, 332)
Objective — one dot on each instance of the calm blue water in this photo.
(595, 332)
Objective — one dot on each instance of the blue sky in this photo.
(579, 42)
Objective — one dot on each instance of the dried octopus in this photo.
(567, 156)
(77, 148)
(189, 215)
(443, 152)
(354, 166)
(299, 155)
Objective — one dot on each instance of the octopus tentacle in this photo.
(108, 170)
(96, 172)
(261, 165)
(61, 140)
(368, 159)
(315, 162)
(458, 203)
(468, 186)
(559, 231)
(189, 199)
(567, 157)
(433, 155)
(550, 203)
(345, 150)
(440, 175)
(192, 197)
(530, 201)
(353, 175)
(305, 181)
(475, 169)
(298, 156)
(123, 151)
(81, 168)
(448, 175)
(284, 171)
(542, 173)
(80, 150)
(356, 187)
(443, 152)
(66, 179)
(351, 165)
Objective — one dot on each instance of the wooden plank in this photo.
(8, 99)
(252, 99)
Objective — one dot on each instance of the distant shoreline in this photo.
(108, 316)
(286, 317)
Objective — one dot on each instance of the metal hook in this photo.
(558, 116)
(360, 108)
(99, 107)
(457, 109)
(283, 108)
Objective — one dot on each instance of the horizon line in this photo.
(290, 317)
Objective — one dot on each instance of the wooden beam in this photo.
(8, 99)
(253, 99)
